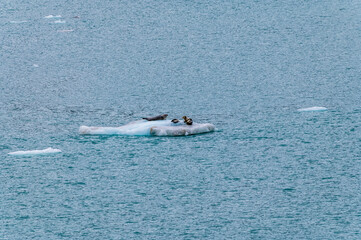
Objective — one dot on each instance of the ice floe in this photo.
(36, 152)
(150, 128)
(312, 109)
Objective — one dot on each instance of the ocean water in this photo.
(269, 171)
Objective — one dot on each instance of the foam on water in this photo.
(36, 152)
(310, 109)
(148, 128)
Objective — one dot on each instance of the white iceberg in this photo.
(36, 152)
(312, 109)
(150, 128)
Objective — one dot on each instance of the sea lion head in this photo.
(187, 120)
(164, 116)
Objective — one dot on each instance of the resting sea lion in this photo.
(187, 120)
(159, 117)
(175, 121)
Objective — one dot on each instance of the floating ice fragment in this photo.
(36, 152)
(148, 128)
(310, 109)
(35, 65)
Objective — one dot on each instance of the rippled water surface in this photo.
(268, 172)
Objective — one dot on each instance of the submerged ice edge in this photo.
(310, 109)
(35, 152)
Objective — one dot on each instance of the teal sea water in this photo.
(268, 172)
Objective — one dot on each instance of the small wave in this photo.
(312, 109)
(35, 152)
(66, 30)
(59, 21)
(52, 16)
(23, 21)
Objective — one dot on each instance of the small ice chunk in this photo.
(312, 109)
(35, 152)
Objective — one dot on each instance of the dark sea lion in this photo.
(187, 120)
(159, 117)
(175, 121)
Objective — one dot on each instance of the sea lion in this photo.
(187, 120)
(175, 121)
(159, 117)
